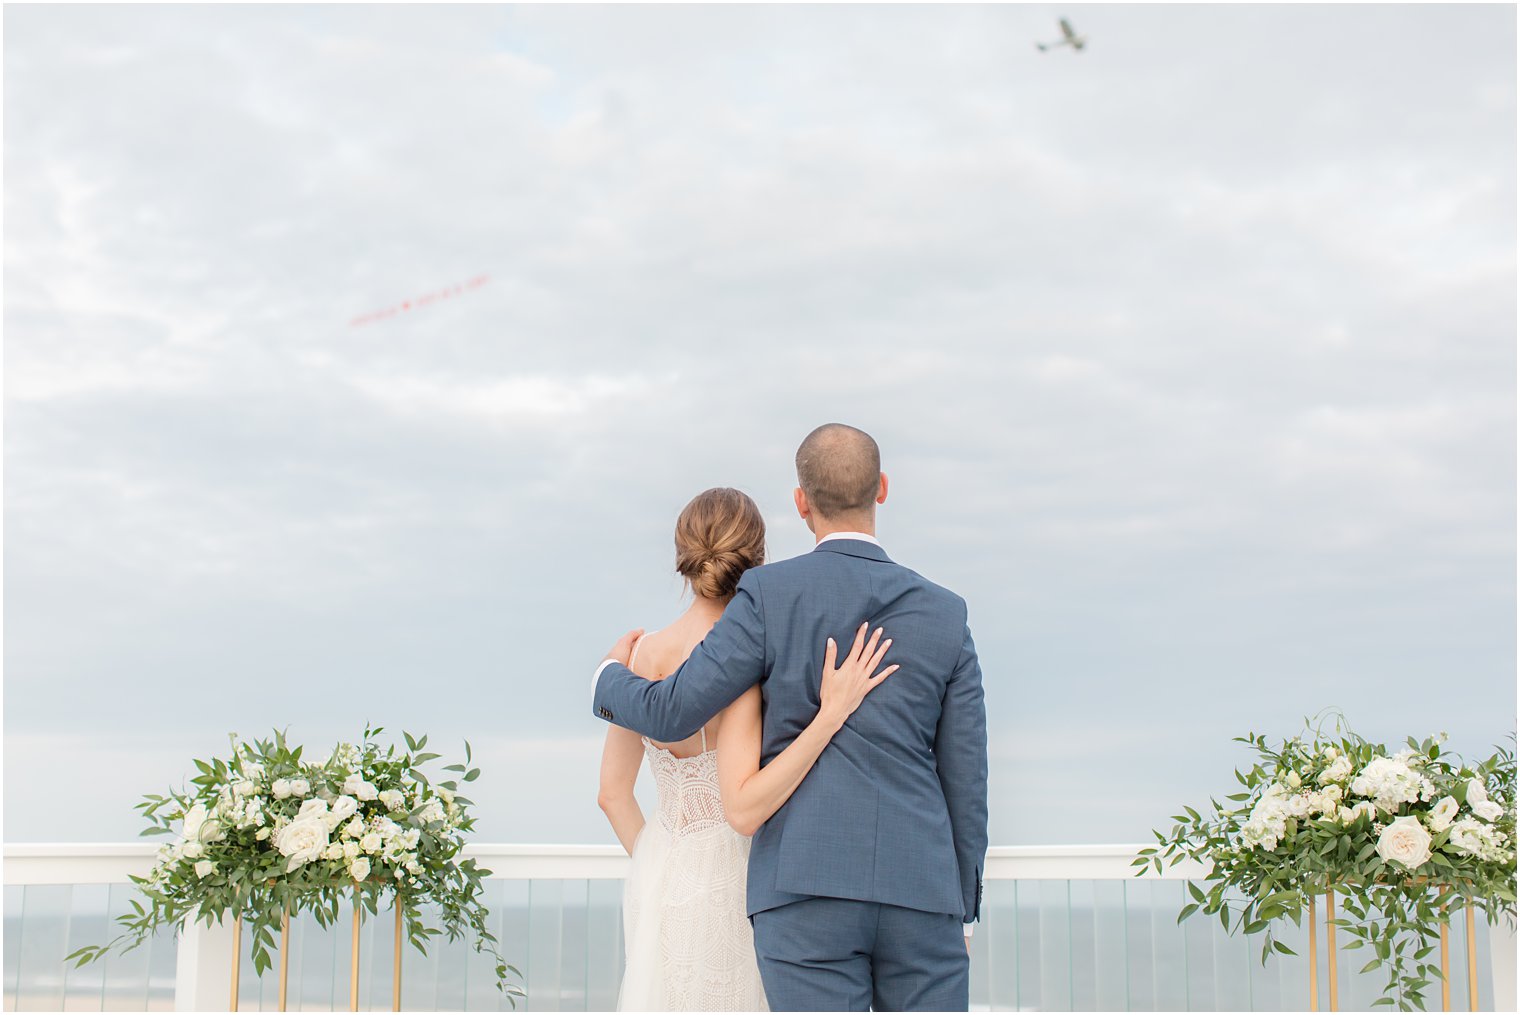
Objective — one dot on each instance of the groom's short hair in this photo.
(839, 468)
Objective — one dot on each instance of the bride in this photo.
(687, 938)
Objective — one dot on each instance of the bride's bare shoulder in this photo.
(651, 658)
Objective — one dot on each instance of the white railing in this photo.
(81, 863)
(1063, 927)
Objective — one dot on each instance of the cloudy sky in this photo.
(1192, 358)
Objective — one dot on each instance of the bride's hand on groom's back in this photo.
(845, 686)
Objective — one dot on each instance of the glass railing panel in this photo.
(1110, 988)
(14, 928)
(573, 939)
(509, 920)
(1169, 967)
(1026, 943)
(83, 987)
(604, 944)
(45, 913)
(1139, 957)
(1055, 971)
(1230, 966)
(1083, 977)
(545, 944)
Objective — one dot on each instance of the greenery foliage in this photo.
(267, 829)
(1397, 838)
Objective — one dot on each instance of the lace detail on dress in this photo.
(690, 800)
(689, 944)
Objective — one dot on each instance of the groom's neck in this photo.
(827, 527)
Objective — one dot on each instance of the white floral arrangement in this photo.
(265, 830)
(1395, 835)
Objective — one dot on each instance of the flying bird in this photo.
(1069, 37)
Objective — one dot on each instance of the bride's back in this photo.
(660, 653)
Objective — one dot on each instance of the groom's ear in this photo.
(881, 496)
(800, 499)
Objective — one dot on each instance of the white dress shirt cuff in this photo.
(968, 928)
(597, 676)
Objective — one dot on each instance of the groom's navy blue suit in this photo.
(859, 884)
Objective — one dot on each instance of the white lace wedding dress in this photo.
(688, 943)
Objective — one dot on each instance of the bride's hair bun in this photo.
(719, 536)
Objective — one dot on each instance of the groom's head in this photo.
(839, 479)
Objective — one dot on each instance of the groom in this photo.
(859, 884)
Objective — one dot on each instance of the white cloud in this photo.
(1192, 358)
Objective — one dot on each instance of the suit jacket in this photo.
(895, 809)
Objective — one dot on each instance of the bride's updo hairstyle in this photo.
(719, 536)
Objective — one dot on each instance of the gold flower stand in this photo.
(1333, 980)
(353, 968)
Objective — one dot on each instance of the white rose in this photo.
(343, 808)
(334, 851)
(354, 828)
(1339, 768)
(1488, 810)
(1479, 803)
(300, 787)
(356, 785)
(393, 799)
(280, 788)
(204, 869)
(303, 840)
(360, 868)
(1294, 781)
(371, 842)
(1405, 841)
(350, 849)
(193, 850)
(1442, 813)
(313, 808)
(195, 817)
(262, 834)
(244, 787)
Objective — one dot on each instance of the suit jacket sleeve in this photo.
(726, 663)
(960, 748)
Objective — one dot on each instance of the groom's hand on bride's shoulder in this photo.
(623, 650)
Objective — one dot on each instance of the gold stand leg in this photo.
(1335, 1004)
(1472, 964)
(353, 968)
(284, 954)
(1445, 960)
(237, 954)
(1313, 954)
(396, 976)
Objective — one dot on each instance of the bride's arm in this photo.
(621, 757)
(751, 794)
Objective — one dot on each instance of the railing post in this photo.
(203, 967)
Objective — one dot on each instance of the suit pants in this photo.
(825, 954)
